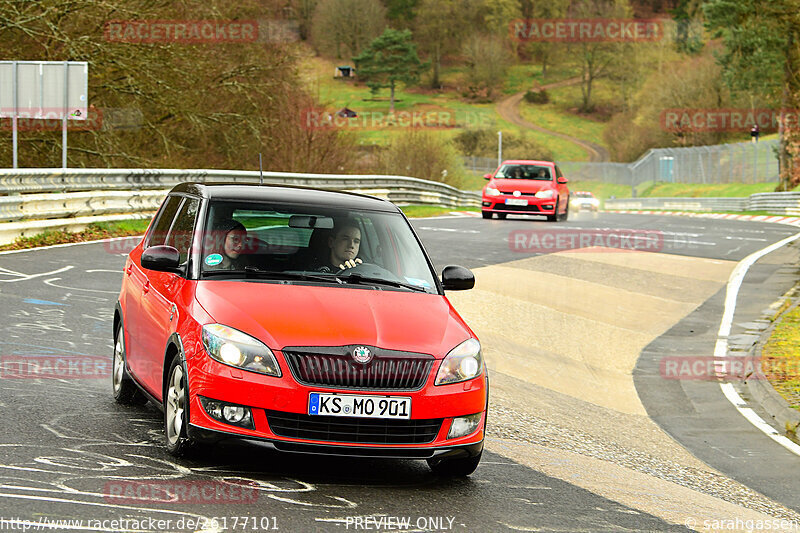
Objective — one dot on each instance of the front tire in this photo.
(554, 216)
(565, 216)
(125, 390)
(460, 467)
(176, 410)
(502, 216)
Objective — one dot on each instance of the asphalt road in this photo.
(66, 446)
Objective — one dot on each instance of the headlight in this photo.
(549, 193)
(594, 201)
(234, 348)
(491, 191)
(462, 363)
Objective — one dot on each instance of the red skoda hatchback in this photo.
(310, 320)
(526, 188)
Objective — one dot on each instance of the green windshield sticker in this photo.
(213, 259)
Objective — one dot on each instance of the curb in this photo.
(761, 390)
(780, 219)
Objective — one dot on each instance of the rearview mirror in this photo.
(487, 176)
(562, 179)
(457, 278)
(161, 259)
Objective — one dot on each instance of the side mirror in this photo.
(487, 176)
(161, 258)
(562, 179)
(457, 278)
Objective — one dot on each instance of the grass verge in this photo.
(780, 357)
(93, 232)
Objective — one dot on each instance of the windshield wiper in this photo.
(358, 278)
(250, 271)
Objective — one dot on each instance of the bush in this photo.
(483, 143)
(422, 154)
(537, 97)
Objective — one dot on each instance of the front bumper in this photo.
(265, 394)
(535, 206)
(394, 452)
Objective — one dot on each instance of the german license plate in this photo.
(320, 403)
(516, 201)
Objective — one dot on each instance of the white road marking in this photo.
(51, 280)
(721, 347)
(26, 277)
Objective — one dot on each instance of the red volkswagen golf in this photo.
(526, 188)
(310, 320)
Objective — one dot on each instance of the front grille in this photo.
(388, 370)
(528, 208)
(521, 193)
(353, 430)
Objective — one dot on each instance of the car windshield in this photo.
(311, 244)
(528, 172)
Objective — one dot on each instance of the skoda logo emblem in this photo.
(517, 193)
(362, 355)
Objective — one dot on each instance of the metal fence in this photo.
(721, 163)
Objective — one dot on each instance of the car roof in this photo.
(527, 162)
(254, 192)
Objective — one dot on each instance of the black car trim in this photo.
(393, 452)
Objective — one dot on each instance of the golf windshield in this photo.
(528, 172)
(313, 243)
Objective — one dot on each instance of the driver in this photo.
(344, 243)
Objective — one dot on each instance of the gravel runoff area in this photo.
(508, 420)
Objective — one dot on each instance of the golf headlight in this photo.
(549, 193)
(234, 348)
(462, 363)
(491, 191)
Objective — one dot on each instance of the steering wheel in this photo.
(370, 270)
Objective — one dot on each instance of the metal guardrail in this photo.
(779, 203)
(35, 200)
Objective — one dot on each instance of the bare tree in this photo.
(342, 28)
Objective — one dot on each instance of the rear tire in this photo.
(125, 390)
(502, 216)
(486, 214)
(460, 467)
(176, 411)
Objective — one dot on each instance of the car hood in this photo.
(316, 315)
(522, 185)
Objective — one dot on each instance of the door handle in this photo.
(129, 269)
(172, 311)
(146, 287)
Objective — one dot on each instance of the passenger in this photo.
(233, 236)
(343, 243)
(542, 175)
